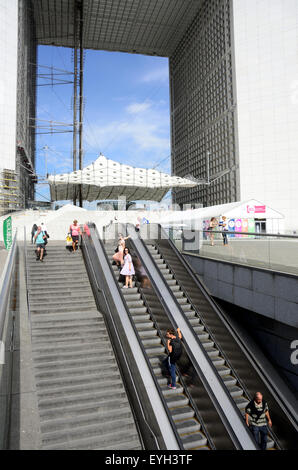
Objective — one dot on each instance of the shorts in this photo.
(75, 238)
(40, 245)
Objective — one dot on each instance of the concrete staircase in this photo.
(219, 362)
(81, 397)
(188, 426)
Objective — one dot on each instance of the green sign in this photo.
(7, 233)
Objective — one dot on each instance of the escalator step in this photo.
(182, 412)
(188, 425)
(154, 341)
(223, 370)
(235, 391)
(191, 441)
(155, 350)
(167, 392)
(175, 401)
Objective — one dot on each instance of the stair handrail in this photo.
(5, 283)
(6, 280)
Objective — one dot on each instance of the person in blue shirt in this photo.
(39, 238)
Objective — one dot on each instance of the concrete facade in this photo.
(268, 293)
(265, 303)
(17, 104)
(8, 82)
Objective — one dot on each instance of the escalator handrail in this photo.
(209, 439)
(161, 397)
(249, 354)
(222, 394)
(122, 353)
(228, 363)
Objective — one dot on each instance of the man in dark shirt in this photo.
(175, 350)
(257, 416)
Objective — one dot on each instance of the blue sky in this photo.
(126, 111)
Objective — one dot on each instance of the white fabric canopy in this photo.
(107, 179)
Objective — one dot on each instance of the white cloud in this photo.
(156, 75)
(141, 138)
(136, 108)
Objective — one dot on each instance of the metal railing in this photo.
(6, 343)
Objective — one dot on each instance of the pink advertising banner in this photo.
(255, 209)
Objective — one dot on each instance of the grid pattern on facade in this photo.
(151, 27)
(26, 104)
(203, 106)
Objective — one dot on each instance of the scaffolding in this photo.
(9, 192)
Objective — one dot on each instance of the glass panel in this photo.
(276, 252)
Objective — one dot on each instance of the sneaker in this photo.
(37, 258)
(41, 260)
(125, 287)
(172, 388)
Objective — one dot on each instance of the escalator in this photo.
(234, 364)
(188, 426)
(196, 416)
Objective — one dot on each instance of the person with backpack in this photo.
(39, 238)
(257, 416)
(174, 348)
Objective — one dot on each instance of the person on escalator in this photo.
(174, 348)
(257, 416)
(128, 269)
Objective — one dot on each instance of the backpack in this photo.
(176, 350)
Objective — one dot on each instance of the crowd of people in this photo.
(40, 236)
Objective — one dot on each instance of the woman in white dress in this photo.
(128, 269)
(118, 257)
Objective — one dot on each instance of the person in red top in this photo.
(86, 229)
(75, 231)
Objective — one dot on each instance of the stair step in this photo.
(63, 336)
(62, 309)
(105, 431)
(75, 371)
(66, 355)
(107, 407)
(75, 323)
(82, 419)
(82, 398)
(77, 380)
(75, 389)
(121, 441)
(75, 362)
